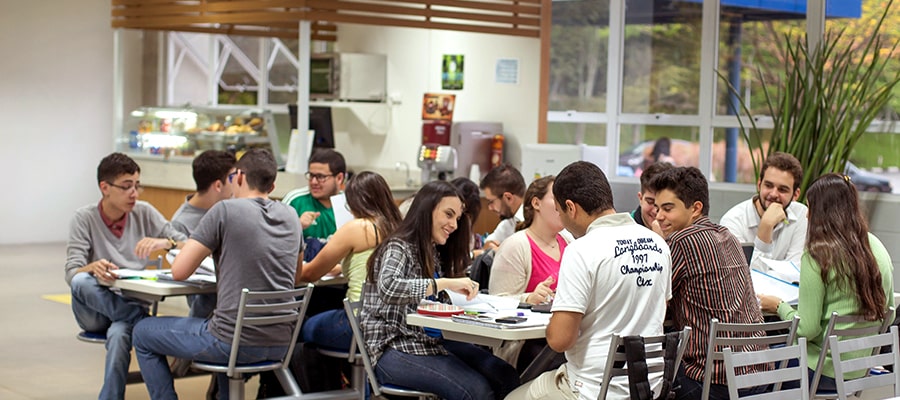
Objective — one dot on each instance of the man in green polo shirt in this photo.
(326, 175)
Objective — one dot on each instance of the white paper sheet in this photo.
(483, 302)
(342, 213)
(207, 266)
(764, 283)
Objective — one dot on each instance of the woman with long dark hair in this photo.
(844, 268)
(425, 255)
(376, 216)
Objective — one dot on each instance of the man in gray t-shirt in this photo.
(255, 243)
(118, 232)
(213, 173)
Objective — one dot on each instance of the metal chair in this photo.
(654, 350)
(875, 359)
(845, 326)
(780, 355)
(358, 378)
(722, 335)
(352, 308)
(281, 306)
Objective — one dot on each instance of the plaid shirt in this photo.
(400, 284)
(710, 279)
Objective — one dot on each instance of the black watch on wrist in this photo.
(172, 243)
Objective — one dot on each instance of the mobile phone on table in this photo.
(511, 320)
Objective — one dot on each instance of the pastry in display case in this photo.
(169, 132)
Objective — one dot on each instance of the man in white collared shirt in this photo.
(504, 189)
(772, 219)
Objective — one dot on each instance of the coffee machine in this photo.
(473, 141)
(437, 162)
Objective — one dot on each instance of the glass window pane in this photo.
(662, 57)
(642, 145)
(576, 133)
(578, 56)
(752, 52)
(733, 163)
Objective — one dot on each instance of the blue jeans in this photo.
(467, 373)
(99, 310)
(201, 305)
(155, 338)
(826, 383)
(329, 329)
(689, 389)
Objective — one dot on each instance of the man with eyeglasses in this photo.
(119, 232)
(326, 175)
(503, 189)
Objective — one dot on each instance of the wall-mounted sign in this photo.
(507, 71)
(452, 72)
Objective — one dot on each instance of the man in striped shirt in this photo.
(710, 276)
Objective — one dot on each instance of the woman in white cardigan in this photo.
(527, 263)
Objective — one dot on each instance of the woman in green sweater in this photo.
(844, 268)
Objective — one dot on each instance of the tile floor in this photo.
(40, 358)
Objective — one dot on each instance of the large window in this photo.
(668, 88)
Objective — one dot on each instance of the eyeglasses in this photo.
(317, 177)
(231, 175)
(136, 187)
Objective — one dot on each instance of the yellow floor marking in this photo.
(64, 298)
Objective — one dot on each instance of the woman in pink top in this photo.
(527, 263)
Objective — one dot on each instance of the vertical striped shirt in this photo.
(710, 279)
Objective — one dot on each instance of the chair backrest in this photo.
(780, 355)
(480, 271)
(875, 359)
(352, 308)
(653, 346)
(262, 308)
(738, 336)
(847, 326)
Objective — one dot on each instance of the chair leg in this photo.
(359, 380)
(287, 382)
(236, 388)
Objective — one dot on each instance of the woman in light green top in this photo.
(376, 216)
(844, 268)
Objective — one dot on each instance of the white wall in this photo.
(414, 68)
(55, 108)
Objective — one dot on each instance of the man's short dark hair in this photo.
(586, 185)
(504, 178)
(211, 166)
(328, 156)
(114, 165)
(259, 169)
(784, 162)
(688, 184)
(651, 171)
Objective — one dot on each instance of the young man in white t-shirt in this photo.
(615, 278)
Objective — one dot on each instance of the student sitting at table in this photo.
(710, 278)
(404, 270)
(255, 242)
(117, 232)
(527, 263)
(213, 172)
(376, 216)
(614, 278)
(844, 268)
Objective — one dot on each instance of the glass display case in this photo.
(182, 133)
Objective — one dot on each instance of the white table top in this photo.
(476, 334)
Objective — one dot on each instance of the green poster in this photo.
(452, 72)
